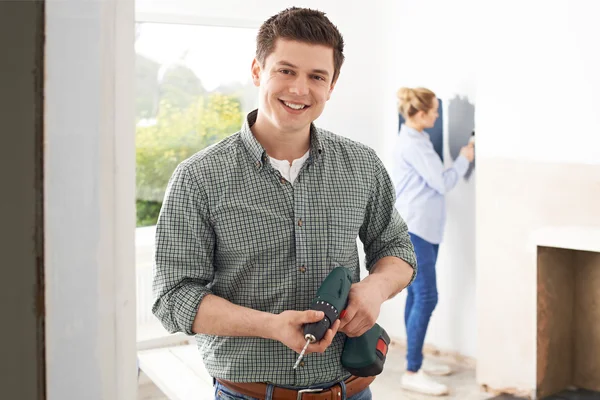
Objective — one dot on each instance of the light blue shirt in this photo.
(421, 183)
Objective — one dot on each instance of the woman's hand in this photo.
(468, 152)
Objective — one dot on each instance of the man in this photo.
(251, 226)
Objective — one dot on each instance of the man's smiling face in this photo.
(294, 85)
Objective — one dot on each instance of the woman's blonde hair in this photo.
(413, 100)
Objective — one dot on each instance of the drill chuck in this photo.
(310, 338)
(317, 330)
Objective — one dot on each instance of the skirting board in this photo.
(433, 351)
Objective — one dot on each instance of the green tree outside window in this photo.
(176, 119)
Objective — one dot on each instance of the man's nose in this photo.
(299, 86)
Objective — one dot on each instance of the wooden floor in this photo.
(387, 386)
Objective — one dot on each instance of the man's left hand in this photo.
(364, 303)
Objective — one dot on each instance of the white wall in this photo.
(539, 81)
(89, 200)
(379, 40)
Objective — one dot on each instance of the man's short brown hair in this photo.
(303, 25)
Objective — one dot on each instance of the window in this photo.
(193, 88)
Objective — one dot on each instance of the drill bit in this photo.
(309, 340)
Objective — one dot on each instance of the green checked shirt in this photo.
(231, 226)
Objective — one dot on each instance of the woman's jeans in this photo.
(421, 301)
(223, 393)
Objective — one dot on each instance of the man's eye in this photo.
(319, 78)
(286, 71)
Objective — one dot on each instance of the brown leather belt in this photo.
(354, 385)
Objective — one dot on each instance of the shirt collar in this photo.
(258, 153)
(413, 132)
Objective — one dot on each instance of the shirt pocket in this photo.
(343, 224)
(248, 232)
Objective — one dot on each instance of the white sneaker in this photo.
(433, 368)
(422, 383)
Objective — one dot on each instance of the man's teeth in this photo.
(294, 106)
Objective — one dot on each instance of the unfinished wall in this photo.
(21, 236)
(538, 164)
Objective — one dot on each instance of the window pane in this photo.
(193, 88)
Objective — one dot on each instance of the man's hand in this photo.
(288, 329)
(364, 304)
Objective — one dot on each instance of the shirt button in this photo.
(282, 180)
(300, 222)
(302, 363)
(302, 269)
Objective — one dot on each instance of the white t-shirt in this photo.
(289, 172)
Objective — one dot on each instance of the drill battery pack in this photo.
(365, 355)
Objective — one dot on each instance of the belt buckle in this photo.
(301, 392)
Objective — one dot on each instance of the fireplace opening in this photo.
(568, 321)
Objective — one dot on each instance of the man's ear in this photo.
(331, 89)
(256, 70)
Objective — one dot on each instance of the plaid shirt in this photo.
(230, 225)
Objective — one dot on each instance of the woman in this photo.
(421, 183)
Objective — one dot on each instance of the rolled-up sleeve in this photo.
(183, 253)
(384, 233)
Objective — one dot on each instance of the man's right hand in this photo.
(289, 330)
(468, 152)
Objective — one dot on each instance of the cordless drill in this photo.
(363, 355)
